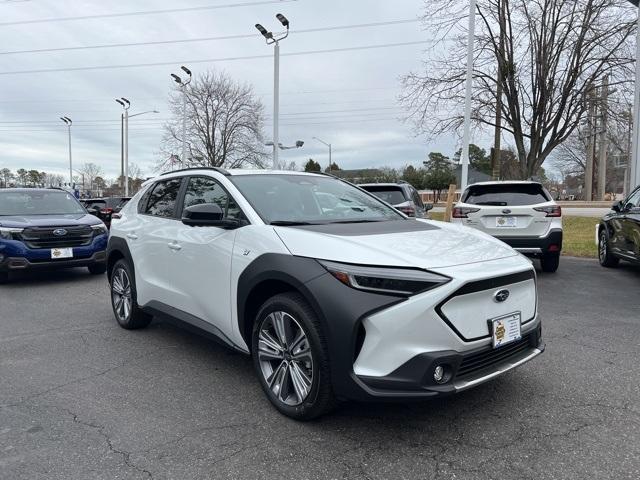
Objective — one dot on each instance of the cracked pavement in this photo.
(81, 398)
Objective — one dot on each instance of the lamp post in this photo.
(124, 165)
(464, 155)
(183, 87)
(634, 173)
(275, 40)
(328, 145)
(68, 122)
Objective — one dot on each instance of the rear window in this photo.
(391, 195)
(506, 194)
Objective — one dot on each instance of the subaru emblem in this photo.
(506, 211)
(501, 295)
(59, 232)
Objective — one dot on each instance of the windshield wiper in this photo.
(359, 221)
(289, 223)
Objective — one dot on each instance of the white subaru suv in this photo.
(348, 299)
(520, 213)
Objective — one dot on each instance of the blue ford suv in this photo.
(48, 228)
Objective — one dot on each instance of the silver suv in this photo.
(402, 196)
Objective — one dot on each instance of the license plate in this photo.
(505, 329)
(506, 222)
(61, 253)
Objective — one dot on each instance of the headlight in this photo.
(393, 281)
(7, 233)
(99, 229)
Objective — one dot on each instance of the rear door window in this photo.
(506, 194)
(162, 199)
(391, 195)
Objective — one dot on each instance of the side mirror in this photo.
(207, 215)
(617, 207)
(428, 206)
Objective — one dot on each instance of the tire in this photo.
(124, 299)
(4, 277)
(606, 258)
(294, 372)
(97, 268)
(550, 262)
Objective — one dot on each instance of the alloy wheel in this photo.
(285, 358)
(602, 251)
(121, 294)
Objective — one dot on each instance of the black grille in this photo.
(478, 361)
(45, 238)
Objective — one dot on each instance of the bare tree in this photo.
(89, 172)
(554, 52)
(224, 124)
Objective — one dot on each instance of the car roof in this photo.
(396, 185)
(27, 190)
(506, 182)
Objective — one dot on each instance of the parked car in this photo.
(104, 208)
(362, 304)
(521, 214)
(618, 234)
(402, 196)
(48, 228)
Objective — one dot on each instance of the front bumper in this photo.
(15, 255)
(535, 246)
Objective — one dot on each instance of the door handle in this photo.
(174, 246)
(132, 236)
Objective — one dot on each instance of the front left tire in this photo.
(606, 258)
(124, 298)
(4, 277)
(291, 359)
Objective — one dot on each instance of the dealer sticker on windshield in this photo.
(505, 329)
(61, 253)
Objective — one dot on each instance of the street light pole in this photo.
(464, 156)
(634, 174)
(328, 145)
(68, 122)
(183, 87)
(275, 40)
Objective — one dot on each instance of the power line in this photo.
(207, 39)
(214, 60)
(146, 12)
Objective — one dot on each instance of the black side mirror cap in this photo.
(617, 207)
(428, 206)
(208, 215)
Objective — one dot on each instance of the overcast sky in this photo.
(346, 98)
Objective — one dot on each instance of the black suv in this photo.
(104, 208)
(402, 196)
(619, 232)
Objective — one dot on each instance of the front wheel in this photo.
(605, 256)
(290, 357)
(550, 262)
(124, 298)
(4, 277)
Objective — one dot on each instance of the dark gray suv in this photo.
(402, 196)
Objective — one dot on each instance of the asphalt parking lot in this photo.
(81, 398)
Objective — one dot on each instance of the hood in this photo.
(26, 221)
(408, 243)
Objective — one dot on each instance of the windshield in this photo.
(391, 195)
(38, 202)
(306, 199)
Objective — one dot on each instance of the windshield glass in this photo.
(38, 202)
(391, 195)
(309, 199)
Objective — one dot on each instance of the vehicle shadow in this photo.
(49, 277)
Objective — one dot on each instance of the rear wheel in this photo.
(290, 357)
(550, 262)
(124, 298)
(607, 259)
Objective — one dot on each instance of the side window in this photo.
(416, 198)
(162, 198)
(633, 201)
(207, 190)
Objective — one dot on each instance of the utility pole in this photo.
(495, 153)
(627, 169)
(588, 174)
(466, 134)
(122, 153)
(603, 143)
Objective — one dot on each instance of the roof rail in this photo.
(215, 169)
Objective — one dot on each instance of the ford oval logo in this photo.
(501, 295)
(59, 232)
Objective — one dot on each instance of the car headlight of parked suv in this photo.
(99, 229)
(8, 233)
(392, 281)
